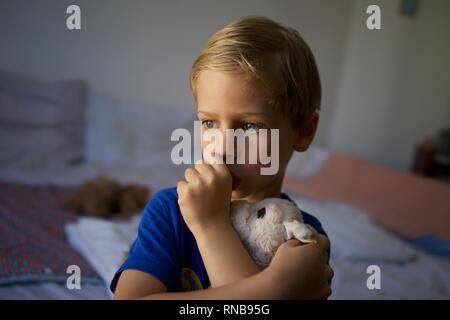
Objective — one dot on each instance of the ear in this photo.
(306, 133)
(300, 231)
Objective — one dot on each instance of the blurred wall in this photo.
(143, 50)
(394, 88)
(383, 90)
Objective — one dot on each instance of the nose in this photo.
(223, 150)
(227, 150)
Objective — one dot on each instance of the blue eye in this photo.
(208, 123)
(251, 127)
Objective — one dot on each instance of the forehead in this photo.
(221, 92)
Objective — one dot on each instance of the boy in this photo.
(254, 74)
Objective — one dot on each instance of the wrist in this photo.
(272, 281)
(213, 228)
(269, 284)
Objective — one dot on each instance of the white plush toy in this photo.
(265, 225)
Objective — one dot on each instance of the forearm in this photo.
(225, 258)
(256, 287)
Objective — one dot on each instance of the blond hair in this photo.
(272, 54)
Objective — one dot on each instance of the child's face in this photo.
(228, 101)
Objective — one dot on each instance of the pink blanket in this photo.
(408, 204)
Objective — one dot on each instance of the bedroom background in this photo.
(104, 99)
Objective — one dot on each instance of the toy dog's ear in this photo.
(300, 231)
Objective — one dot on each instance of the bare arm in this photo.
(204, 200)
(134, 284)
(225, 258)
(304, 265)
(256, 287)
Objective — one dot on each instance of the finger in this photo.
(200, 162)
(323, 242)
(221, 169)
(213, 158)
(191, 174)
(211, 169)
(204, 169)
(293, 243)
(329, 273)
(181, 185)
(217, 164)
(326, 292)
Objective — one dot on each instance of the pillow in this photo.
(354, 236)
(120, 132)
(307, 164)
(40, 123)
(103, 242)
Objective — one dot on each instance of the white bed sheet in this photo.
(357, 243)
(414, 275)
(426, 278)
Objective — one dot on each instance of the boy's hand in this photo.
(205, 196)
(300, 271)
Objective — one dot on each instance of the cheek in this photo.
(212, 144)
(286, 146)
(249, 174)
(248, 154)
(257, 148)
(205, 144)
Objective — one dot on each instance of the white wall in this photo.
(394, 89)
(383, 91)
(144, 50)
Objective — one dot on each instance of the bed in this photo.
(55, 136)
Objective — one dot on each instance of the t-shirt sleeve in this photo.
(155, 249)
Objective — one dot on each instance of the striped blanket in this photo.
(33, 245)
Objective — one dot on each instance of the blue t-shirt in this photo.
(166, 248)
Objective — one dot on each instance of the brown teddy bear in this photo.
(103, 197)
